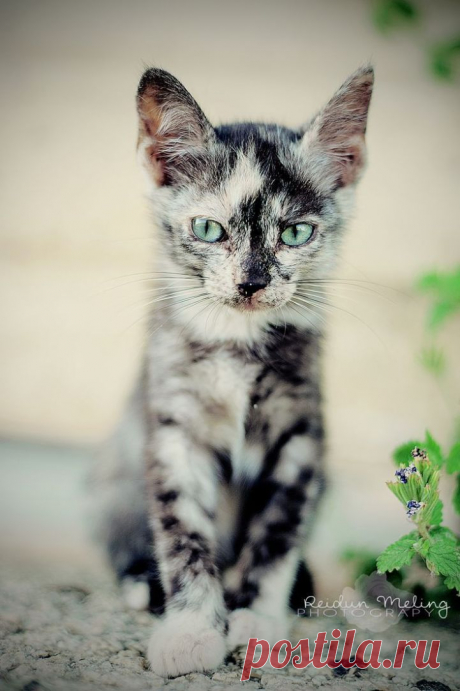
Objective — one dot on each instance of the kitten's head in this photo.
(252, 211)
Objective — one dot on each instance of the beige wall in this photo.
(74, 221)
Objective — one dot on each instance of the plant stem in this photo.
(423, 531)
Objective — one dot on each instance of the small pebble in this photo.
(426, 685)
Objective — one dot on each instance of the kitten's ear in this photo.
(173, 130)
(335, 137)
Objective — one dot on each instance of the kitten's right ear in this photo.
(173, 130)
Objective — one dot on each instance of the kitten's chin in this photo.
(251, 307)
(228, 323)
(254, 305)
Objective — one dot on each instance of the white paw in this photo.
(185, 642)
(136, 594)
(245, 624)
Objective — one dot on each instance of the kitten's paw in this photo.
(136, 594)
(245, 624)
(185, 642)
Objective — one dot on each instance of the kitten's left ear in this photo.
(335, 137)
(173, 130)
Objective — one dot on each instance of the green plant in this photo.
(428, 591)
(417, 488)
(420, 465)
(444, 290)
(390, 15)
(443, 57)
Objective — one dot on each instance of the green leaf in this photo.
(443, 58)
(433, 450)
(439, 313)
(456, 497)
(429, 496)
(453, 459)
(430, 282)
(452, 582)
(361, 559)
(422, 546)
(436, 515)
(405, 492)
(443, 533)
(445, 290)
(430, 473)
(441, 284)
(431, 514)
(354, 553)
(443, 556)
(388, 14)
(398, 554)
(399, 490)
(402, 455)
(433, 360)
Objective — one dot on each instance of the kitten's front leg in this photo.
(182, 493)
(283, 500)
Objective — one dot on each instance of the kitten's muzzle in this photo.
(247, 290)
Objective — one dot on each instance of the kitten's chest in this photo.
(226, 384)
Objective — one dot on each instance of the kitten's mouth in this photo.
(251, 305)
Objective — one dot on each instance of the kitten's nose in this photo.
(247, 290)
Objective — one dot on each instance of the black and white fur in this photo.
(211, 482)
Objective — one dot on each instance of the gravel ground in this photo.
(71, 632)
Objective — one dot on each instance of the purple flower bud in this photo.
(413, 507)
(420, 454)
(403, 473)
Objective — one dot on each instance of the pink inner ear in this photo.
(149, 122)
(351, 161)
(154, 164)
(341, 126)
(147, 127)
(167, 131)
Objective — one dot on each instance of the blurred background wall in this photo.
(75, 232)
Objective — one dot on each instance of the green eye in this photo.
(207, 230)
(298, 234)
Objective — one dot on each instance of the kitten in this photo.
(214, 476)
